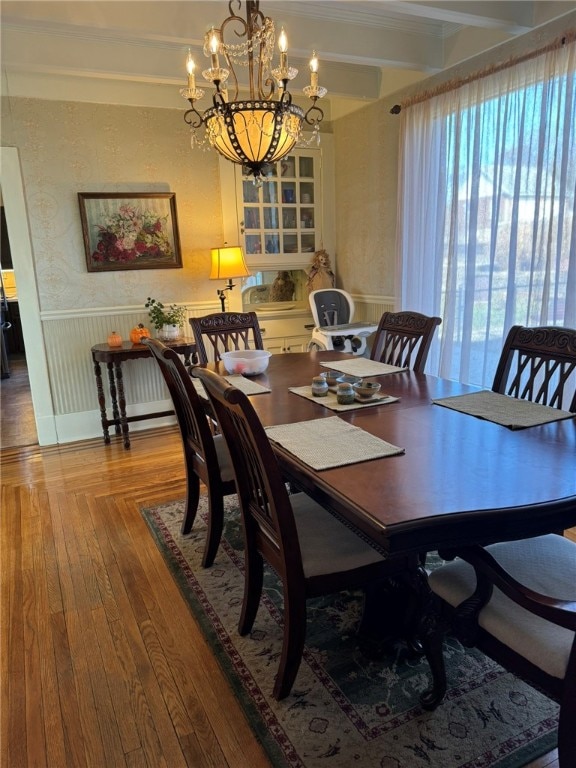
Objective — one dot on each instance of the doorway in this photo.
(34, 390)
(17, 424)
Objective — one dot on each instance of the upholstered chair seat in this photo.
(315, 527)
(516, 601)
(546, 564)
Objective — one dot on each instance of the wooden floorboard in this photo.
(103, 663)
(18, 425)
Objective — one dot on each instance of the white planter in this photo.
(169, 332)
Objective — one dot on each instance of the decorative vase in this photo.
(114, 339)
(169, 332)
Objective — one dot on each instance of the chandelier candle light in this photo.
(264, 127)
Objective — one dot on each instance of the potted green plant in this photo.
(167, 320)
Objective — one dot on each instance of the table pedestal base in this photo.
(403, 608)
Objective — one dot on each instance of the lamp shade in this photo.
(228, 262)
(254, 133)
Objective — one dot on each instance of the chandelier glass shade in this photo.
(254, 133)
(263, 128)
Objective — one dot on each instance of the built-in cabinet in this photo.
(281, 218)
(280, 224)
(282, 335)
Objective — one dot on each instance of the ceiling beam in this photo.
(512, 17)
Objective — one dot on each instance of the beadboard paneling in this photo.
(69, 337)
(371, 308)
(68, 341)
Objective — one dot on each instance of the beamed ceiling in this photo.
(133, 52)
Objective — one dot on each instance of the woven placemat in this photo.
(331, 442)
(240, 382)
(247, 386)
(331, 401)
(362, 366)
(508, 411)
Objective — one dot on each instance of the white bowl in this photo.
(249, 362)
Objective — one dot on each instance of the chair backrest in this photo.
(190, 411)
(331, 306)
(403, 339)
(223, 332)
(269, 525)
(539, 364)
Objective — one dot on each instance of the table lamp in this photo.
(227, 263)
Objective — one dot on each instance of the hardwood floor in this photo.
(102, 662)
(17, 425)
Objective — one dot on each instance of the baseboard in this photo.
(73, 427)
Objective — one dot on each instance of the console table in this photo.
(114, 357)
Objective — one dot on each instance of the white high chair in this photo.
(333, 312)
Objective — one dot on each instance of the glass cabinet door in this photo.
(281, 217)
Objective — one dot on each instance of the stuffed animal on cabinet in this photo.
(320, 274)
(282, 288)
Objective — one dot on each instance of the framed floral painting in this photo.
(130, 231)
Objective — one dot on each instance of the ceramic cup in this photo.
(319, 386)
(345, 394)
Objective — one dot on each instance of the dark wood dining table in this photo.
(461, 480)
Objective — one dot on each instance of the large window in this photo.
(487, 196)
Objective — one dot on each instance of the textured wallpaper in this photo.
(71, 147)
(366, 149)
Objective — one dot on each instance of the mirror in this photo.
(277, 289)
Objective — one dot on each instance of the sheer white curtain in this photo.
(487, 188)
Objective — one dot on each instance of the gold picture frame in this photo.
(127, 230)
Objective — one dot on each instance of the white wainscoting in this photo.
(371, 308)
(69, 337)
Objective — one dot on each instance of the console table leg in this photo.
(122, 405)
(114, 398)
(101, 402)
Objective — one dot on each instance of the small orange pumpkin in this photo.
(114, 339)
(138, 333)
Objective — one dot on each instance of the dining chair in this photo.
(312, 552)
(516, 602)
(403, 339)
(224, 331)
(206, 455)
(539, 364)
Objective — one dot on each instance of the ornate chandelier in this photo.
(263, 128)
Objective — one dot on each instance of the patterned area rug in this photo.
(345, 710)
